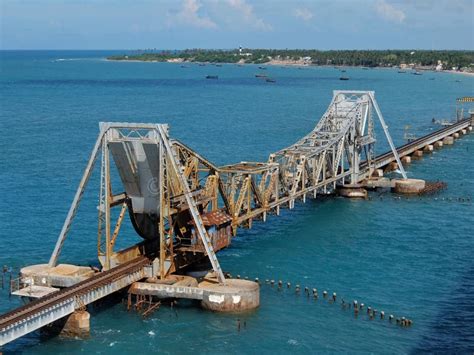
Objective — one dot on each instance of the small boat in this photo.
(343, 71)
(218, 65)
(401, 72)
(202, 64)
(365, 68)
(212, 77)
(344, 78)
(458, 81)
(183, 66)
(417, 73)
(432, 78)
(263, 68)
(260, 76)
(268, 80)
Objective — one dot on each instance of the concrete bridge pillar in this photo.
(234, 296)
(456, 135)
(428, 148)
(77, 324)
(417, 154)
(409, 186)
(406, 159)
(448, 140)
(438, 144)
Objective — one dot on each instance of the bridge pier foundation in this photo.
(406, 159)
(76, 324)
(438, 144)
(448, 140)
(409, 186)
(417, 154)
(352, 191)
(428, 148)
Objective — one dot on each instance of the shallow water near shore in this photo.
(410, 257)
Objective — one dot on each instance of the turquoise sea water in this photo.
(411, 257)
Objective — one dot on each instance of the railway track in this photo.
(36, 306)
(403, 149)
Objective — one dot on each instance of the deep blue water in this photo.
(411, 257)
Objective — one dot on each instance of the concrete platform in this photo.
(409, 186)
(234, 296)
(378, 183)
(34, 291)
(62, 275)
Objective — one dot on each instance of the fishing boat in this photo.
(212, 77)
(417, 73)
(269, 80)
(218, 65)
(263, 68)
(260, 76)
(401, 72)
(344, 78)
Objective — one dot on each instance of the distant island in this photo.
(456, 60)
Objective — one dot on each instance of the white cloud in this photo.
(389, 12)
(189, 15)
(303, 13)
(247, 14)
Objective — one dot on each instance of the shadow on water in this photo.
(453, 330)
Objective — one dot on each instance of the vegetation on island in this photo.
(365, 58)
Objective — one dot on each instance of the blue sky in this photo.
(322, 24)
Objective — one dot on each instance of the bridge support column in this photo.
(456, 135)
(408, 186)
(448, 140)
(77, 324)
(428, 148)
(406, 159)
(438, 144)
(352, 191)
(235, 296)
(463, 131)
(417, 153)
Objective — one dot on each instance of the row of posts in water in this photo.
(355, 305)
(447, 199)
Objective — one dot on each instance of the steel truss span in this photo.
(184, 205)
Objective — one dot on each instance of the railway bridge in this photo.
(186, 209)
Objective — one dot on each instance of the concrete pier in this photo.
(428, 148)
(417, 154)
(234, 296)
(352, 191)
(406, 159)
(456, 135)
(378, 173)
(463, 131)
(391, 166)
(448, 140)
(77, 325)
(408, 186)
(438, 144)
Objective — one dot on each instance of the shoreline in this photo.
(287, 64)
